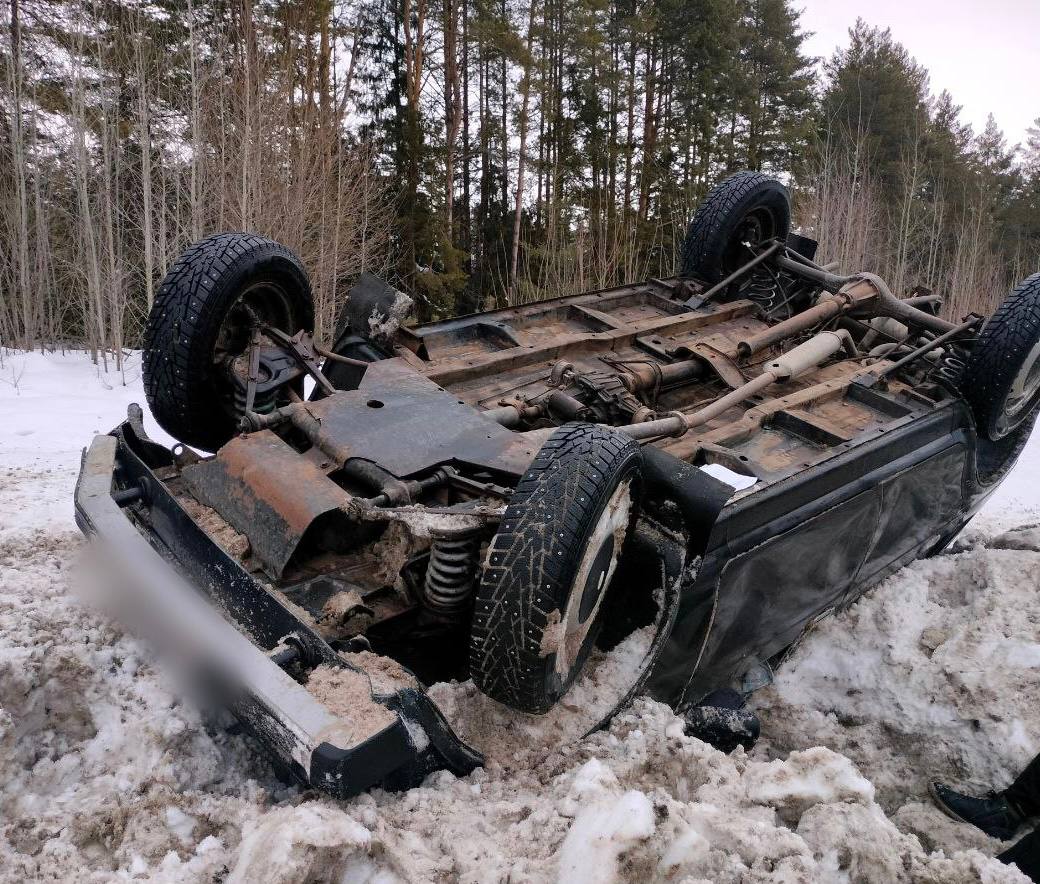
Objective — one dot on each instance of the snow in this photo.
(106, 775)
(50, 406)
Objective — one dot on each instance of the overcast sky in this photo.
(987, 54)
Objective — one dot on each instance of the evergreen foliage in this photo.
(477, 152)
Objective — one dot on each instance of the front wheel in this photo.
(539, 606)
(1002, 380)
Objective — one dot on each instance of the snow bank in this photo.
(105, 775)
(51, 405)
(942, 659)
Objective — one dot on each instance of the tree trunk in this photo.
(525, 92)
(144, 134)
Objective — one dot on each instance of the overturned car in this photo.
(719, 458)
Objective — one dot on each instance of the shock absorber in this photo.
(451, 574)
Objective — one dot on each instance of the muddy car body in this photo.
(723, 456)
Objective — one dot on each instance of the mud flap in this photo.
(373, 309)
(699, 497)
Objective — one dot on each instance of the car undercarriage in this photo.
(722, 457)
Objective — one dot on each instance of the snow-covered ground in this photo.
(106, 775)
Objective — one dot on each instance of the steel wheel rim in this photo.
(1024, 392)
(593, 576)
(265, 302)
(756, 228)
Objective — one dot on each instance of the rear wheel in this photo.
(741, 214)
(201, 323)
(1002, 380)
(538, 609)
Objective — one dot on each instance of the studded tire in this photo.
(188, 392)
(537, 610)
(746, 205)
(1005, 361)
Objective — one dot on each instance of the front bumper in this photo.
(187, 596)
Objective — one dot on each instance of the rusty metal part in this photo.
(884, 303)
(598, 395)
(266, 491)
(677, 424)
(631, 357)
(302, 347)
(566, 407)
(795, 362)
(571, 331)
(506, 415)
(560, 373)
(261, 374)
(878, 300)
(516, 411)
(924, 301)
(335, 357)
(413, 488)
(451, 573)
(826, 308)
(254, 368)
(700, 300)
(251, 421)
(639, 377)
(720, 362)
(471, 486)
(386, 486)
(967, 325)
(865, 295)
(801, 266)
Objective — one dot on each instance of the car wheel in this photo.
(1002, 380)
(538, 608)
(201, 322)
(747, 207)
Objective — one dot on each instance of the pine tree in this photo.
(776, 97)
(875, 99)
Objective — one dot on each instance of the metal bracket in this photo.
(302, 347)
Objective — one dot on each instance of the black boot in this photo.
(993, 815)
(721, 720)
(1026, 855)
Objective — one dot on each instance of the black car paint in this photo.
(778, 559)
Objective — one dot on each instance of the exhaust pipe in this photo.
(805, 357)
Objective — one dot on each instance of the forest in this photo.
(476, 153)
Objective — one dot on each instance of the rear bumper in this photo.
(184, 594)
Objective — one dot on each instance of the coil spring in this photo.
(451, 573)
(950, 369)
(762, 289)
